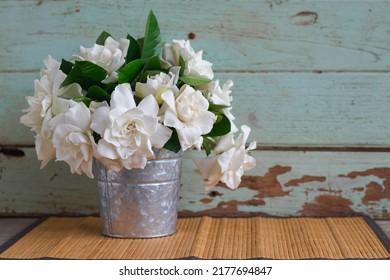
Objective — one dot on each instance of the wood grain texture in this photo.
(308, 74)
(283, 109)
(242, 35)
(282, 184)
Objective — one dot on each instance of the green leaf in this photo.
(208, 144)
(134, 51)
(152, 45)
(83, 99)
(66, 66)
(85, 73)
(130, 72)
(179, 84)
(221, 127)
(194, 80)
(153, 64)
(96, 93)
(173, 143)
(217, 108)
(182, 64)
(108, 88)
(141, 42)
(102, 38)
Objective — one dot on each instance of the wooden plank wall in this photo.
(311, 79)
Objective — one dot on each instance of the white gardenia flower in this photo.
(189, 115)
(111, 56)
(44, 149)
(47, 88)
(221, 96)
(48, 101)
(157, 85)
(72, 139)
(230, 161)
(128, 132)
(217, 95)
(195, 65)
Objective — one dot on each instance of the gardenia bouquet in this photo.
(118, 100)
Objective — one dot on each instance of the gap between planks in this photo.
(9, 149)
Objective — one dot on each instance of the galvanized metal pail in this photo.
(140, 203)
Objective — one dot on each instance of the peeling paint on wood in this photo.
(374, 191)
(270, 186)
(307, 74)
(12, 152)
(327, 205)
(283, 183)
(302, 183)
(304, 18)
(305, 179)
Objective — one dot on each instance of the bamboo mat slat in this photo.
(208, 238)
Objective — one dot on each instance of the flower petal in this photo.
(100, 119)
(169, 99)
(171, 120)
(149, 106)
(107, 150)
(209, 169)
(161, 137)
(79, 115)
(205, 122)
(224, 143)
(189, 137)
(45, 150)
(122, 96)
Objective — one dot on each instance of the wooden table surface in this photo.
(9, 227)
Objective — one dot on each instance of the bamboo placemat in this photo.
(208, 238)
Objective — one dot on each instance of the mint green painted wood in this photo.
(54, 190)
(283, 109)
(298, 183)
(306, 73)
(241, 35)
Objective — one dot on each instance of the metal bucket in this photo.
(140, 203)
